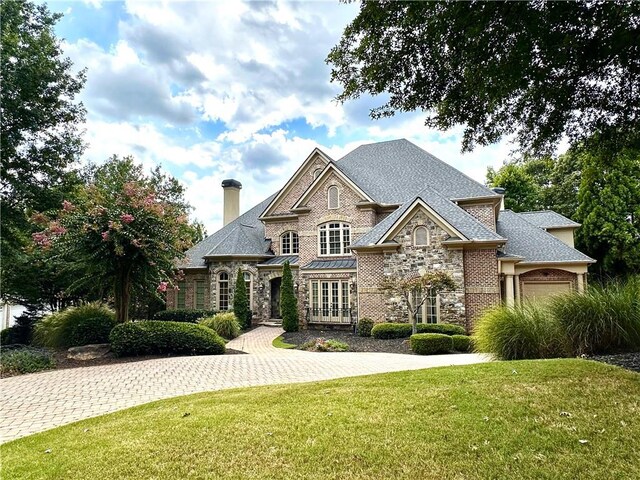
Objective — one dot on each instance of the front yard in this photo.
(520, 419)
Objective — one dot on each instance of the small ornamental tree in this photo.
(288, 301)
(241, 301)
(124, 231)
(415, 289)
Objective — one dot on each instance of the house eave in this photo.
(381, 246)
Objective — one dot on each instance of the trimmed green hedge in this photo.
(183, 315)
(403, 330)
(431, 343)
(461, 343)
(159, 337)
(364, 327)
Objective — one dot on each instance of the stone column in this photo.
(508, 290)
(580, 282)
(516, 279)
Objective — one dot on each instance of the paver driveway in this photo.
(37, 402)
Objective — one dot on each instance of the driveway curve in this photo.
(37, 402)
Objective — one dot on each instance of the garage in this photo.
(531, 290)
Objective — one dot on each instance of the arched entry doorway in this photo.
(275, 284)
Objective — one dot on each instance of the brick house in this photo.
(386, 208)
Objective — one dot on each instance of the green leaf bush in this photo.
(364, 327)
(288, 301)
(183, 315)
(241, 302)
(462, 343)
(15, 361)
(324, 345)
(431, 343)
(224, 324)
(159, 337)
(524, 331)
(72, 327)
(404, 330)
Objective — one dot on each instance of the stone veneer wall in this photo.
(482, 284)
(231, 267)
(484, 213)
(409, 259)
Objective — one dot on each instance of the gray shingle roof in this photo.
(548, 219)
(243, 236)
(534, 244)
(279, 260)
(457, 217)
(333, 264)
(396, 171)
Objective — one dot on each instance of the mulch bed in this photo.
(356, 343)
(630, 361)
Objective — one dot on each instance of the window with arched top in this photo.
(248, 282)
(316, 173)
(334, 238)
(289, 243)
(333, 197)
(223, 291)
(421, 237)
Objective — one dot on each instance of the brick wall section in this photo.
(273, 231)
(371, 300)
(304, 181)
(549, 275)
(483, 213)
(410, 259)
(190, 277)
(482, 284)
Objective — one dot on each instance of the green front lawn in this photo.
(528, 419)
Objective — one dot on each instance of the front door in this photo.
(275, 297)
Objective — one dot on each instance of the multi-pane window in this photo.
(247, 284)
(334, 238)
(421, 236)
(223, 291)
(182, 295)
(289, 243)
(200, 294)
(333, 197)
(428, 311)
(330, 301)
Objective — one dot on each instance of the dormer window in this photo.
(333, 197)
(289, 243)
(334, 238)
(421, 237)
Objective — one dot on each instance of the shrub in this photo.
(322, 345)
(6, 336)
(22, 331)
(224, 324)
(602, 319)
(25, 360)
(461, 343)
(157, 337)
(520, 332)
(364, 327)
(58, 330)
(391, 330)
(183, 315)
(241, 302)
(445, 328)
(288, 301)
(404, 330)
(431, 343)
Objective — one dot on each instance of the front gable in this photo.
(331, 175)
(298, 183)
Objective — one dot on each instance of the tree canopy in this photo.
(536, 70)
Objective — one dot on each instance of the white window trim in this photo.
(343, 251)
(250, 289)
(415, 241)
(289, 233)
(218, 281)
(329, 207)
(424, 309)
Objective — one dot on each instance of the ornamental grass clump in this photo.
(524, 331)
(224, 324)
(602, 319)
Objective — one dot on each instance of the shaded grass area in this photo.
(520, 419)
(279, 342)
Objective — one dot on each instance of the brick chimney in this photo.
(231, 209)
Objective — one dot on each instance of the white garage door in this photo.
(532, 290)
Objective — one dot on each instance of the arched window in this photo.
(421, 237)
(248, 284)
(316, 173)
(289, 243)
(334, 238)
(333, 197)
(223, 291)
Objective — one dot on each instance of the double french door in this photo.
(329, 301)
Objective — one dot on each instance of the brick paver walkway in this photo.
(37, 402)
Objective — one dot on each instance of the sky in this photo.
(229, 89)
